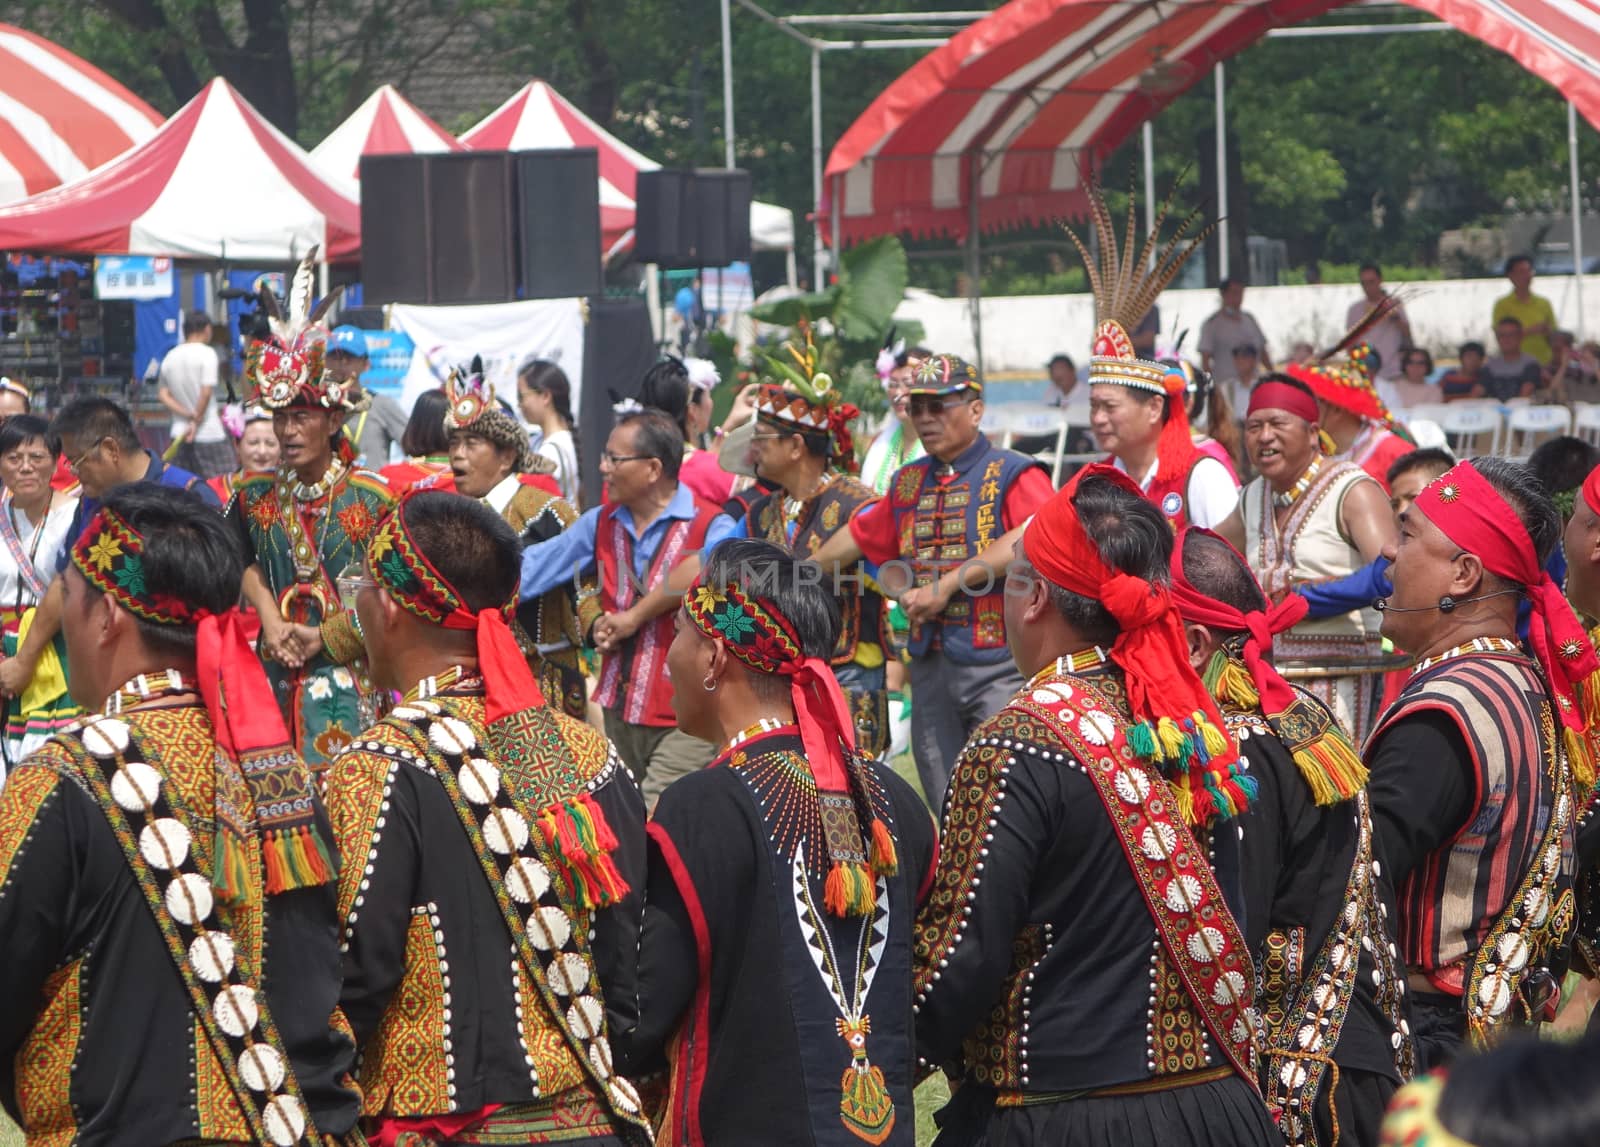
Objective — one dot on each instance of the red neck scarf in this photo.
(1471, 513)
(1177, 721)
(408, 577)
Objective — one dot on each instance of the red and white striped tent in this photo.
(60, 116)
(385, 124)
(1013, 104)
(217, 181)
(539, 117)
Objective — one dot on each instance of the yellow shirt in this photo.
(1532, 313)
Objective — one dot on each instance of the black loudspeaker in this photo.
(558, 215)
(665, 220)
(618, 347)
(722, 216)
(394, 229)
(471, 229)
(692, 218)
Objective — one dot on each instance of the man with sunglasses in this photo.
(102, 449)
(645, 541)
(942, 512)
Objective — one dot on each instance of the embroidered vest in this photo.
(861, 610)
(941, 524)
(634, 678)
(1450, 902)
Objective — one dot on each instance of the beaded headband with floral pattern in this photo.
(406, 574)
(760, 636)
(110, 554)
(246, 724)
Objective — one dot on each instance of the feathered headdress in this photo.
(1343, 374)
(1126, 283)
(472, 407)
(804, 399)
(286, 368)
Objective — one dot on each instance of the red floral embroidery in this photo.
(357, 521)
(263, 510)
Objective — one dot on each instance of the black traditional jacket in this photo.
(101, 1041)
(781, 1022)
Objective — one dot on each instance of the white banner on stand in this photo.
(506, 335)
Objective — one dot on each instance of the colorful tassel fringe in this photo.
(230, 875)
(885, 862)
(848, 891)
(296, 859)
(577, 832)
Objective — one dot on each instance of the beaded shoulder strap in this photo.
(1180, 891)
(158, 848)
(529, 884)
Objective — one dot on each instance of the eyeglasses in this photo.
(74, 463)
(615, 460)
(936, 403)
(351, 581)
(39, 460)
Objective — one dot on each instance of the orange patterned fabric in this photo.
(44, 1062)
(405, 1070)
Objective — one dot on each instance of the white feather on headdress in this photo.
(702, 373)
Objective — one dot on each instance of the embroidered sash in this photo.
(645, 650)
(27, 574)
(158, 849)
(533, 899)
(1201, 938)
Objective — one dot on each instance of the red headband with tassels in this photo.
(1177, 722)
(1469, 511)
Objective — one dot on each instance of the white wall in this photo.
(1022, 332)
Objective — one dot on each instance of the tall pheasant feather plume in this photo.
(291, 329)
(1356, 335)
(1126, 285)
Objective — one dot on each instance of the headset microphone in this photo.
(1446, 603)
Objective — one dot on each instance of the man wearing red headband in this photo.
(942, 518)
(1310, 518)
(495, 850)
(1076, 956)
(775, 961)
(1352, 413)
(1478, 767)
(166, 868)
(1310, 896)
(302, 526)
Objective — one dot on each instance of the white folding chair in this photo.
(1035, 420)
(1423, 412)
(1427, 434)
(1586, 422)
(1530, 425)
(1472, 428)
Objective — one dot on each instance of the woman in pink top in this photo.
(1207, 406)
(682, 388)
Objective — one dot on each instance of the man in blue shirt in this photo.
(645, 541)
(103, 450)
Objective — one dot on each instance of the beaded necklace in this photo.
(765, 725)
(144, 688)
(1294, 493)
(1476, 645)
(456, 677)
(1068, 664)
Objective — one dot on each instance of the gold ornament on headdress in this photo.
(1126, 284)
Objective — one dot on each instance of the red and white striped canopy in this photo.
(385, 124)
(216, 181)
(60, 116)
(1017, 101)
(539, 117)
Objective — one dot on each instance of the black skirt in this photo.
(1226, 1113)
(1360, 1102)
